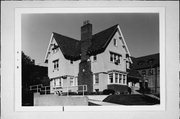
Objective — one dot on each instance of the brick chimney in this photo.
(86, 36)
(85, 76)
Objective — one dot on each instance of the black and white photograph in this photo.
(90, 59)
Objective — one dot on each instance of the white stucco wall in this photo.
(103, 63)
(102, 82)
(65, 67)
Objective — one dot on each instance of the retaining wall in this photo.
(55, 100)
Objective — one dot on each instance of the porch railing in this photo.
(58, 89)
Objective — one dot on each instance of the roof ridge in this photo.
(105, 29)
(65, 36)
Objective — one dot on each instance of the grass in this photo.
(134, 99)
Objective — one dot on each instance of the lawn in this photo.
(134, 99)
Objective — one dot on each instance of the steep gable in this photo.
(101, 40)
(71, 48)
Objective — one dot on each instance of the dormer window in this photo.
(115, 42)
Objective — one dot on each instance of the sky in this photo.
(140, 30)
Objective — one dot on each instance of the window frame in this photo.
(55, 64)
(115, 42)
(96, 78)
(115, 58)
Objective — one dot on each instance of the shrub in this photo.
(108, 92)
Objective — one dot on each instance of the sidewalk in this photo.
(101, 103)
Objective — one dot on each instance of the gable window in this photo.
(56, 64)
(115, 42)
(96, 78)
(95, 58)
(54, 48)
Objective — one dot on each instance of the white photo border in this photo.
(18, 100)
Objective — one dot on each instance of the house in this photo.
(100, 61)
(148, 67)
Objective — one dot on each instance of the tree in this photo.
(31, 75)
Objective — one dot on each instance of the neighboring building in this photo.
(99, 61)
(148, 67)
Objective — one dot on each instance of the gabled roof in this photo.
(101, 40)
(71, 47)
(145, 62)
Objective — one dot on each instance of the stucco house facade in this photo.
(100, 61)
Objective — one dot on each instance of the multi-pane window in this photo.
(111, 78)
(115, 58)
(96, 78)
(56, 64)
(116, 77)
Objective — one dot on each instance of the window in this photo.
(115, 42)
(96, 78)
(111, 57)
(127, 65)
(71, 81)
(55, 48)
(71, 62)
(54, 82)
(60, 83)
(115, 58)
(120, 78)
(124, 79)
(116, 77)
(56, 64)
(94, 58)
(111, 78)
